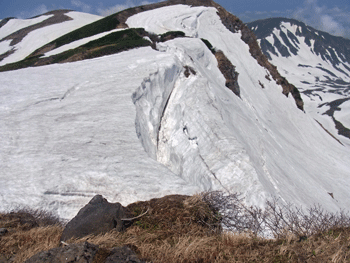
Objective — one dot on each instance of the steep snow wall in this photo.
(151, 99)
(179, 124)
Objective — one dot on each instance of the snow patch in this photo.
(17, 24)
(42, 36)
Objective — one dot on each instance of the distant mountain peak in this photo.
(314, 61)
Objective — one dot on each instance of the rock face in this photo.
(98, 216)
(3, 231)
(123, 255)
(82, 253)
(85, 253)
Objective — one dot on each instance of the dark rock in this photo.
(229, 72)
(85, 253)
(98, 216)
(3, 231)
(81, 253)
(123, 255)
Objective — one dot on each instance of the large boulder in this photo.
(98, 216)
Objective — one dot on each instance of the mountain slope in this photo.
(163, 119)
(314, 61)
(19, 38)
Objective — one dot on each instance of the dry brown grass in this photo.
(180, 229)
(26, 243)
(333, 246)
(29, 232)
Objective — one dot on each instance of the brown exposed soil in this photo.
(188, 71)
(6, 54)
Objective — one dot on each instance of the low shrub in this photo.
(277, 220)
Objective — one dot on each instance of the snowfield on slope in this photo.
(45, 35)
(68, 133)
(14, 25)
(133, 126)
(318, 80)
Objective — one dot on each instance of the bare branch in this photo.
(130, 219)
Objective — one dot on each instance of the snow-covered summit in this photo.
(160, 119)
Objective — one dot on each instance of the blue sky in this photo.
(330, 16)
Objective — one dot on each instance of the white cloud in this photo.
(335, 21)
(114, 9)
(117, 8)
(83, 7)
(41, 9)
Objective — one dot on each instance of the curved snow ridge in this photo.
(150, 100)
(255, 145)
(177, 17)
(180, 124)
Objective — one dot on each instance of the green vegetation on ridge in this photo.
(103, 25)
(107, 45)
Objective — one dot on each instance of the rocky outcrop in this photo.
(86, 253)
(98, 216)
(3, 231)
(234, 24)
(229, 72)
(82, 253)
(123, 255)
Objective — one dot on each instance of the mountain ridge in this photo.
(162, 118)
(322, 62)
(229, 20)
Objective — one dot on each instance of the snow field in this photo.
(45, 35)
(68, 133)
